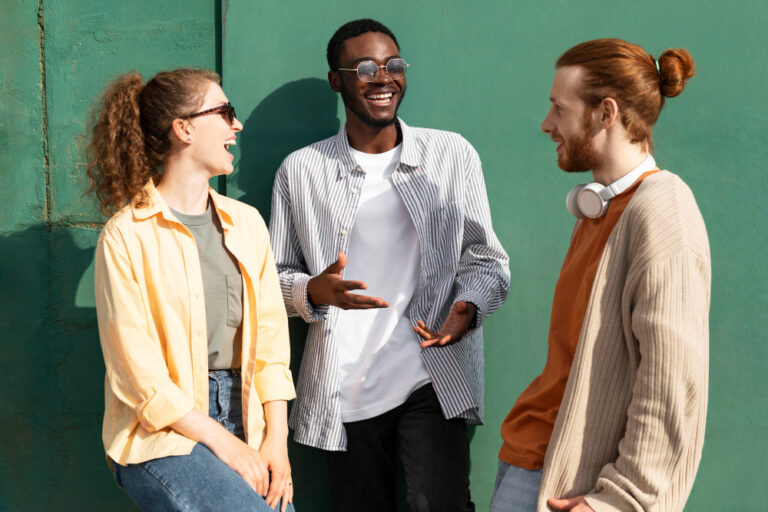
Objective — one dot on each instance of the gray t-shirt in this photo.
(223, 288)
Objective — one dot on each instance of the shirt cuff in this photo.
(167, 405)
(301, 303)
(274, 382)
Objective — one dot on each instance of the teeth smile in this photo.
(379, 97)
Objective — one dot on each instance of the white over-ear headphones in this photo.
(592, 200)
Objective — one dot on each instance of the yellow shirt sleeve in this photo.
(137, 372)
(272, 376)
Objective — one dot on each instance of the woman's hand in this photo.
(274, 453)
(247, 462)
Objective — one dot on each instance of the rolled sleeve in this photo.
(274, 382)
(167, 405)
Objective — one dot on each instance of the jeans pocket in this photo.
(234, 300)
(116, 474)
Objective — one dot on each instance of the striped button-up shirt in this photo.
(314, 203)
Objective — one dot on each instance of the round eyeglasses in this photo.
(226, 110)
(368, 70)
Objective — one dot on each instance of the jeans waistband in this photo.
(234, 372)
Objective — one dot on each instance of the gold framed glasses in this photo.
(368, 70)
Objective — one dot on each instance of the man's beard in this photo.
(579, 154)
(365, 118)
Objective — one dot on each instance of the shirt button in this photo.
(343, 232)
(354, 191)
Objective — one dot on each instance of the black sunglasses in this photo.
(226, 110)
(368, 70)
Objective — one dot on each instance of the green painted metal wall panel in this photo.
(484, 69)
(22, 150)
(89, 42)
(51, 455)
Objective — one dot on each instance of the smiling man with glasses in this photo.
(401, 213)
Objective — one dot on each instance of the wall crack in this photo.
(44, 122)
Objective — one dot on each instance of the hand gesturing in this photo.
(454, 328)
(329, 288)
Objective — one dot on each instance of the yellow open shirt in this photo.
(151, 312)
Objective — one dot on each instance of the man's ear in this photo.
(182, 130)
(334, 80)
(609, 112)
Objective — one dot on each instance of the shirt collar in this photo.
(155, 204)
(409, 156)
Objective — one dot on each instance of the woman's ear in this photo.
(182, 130)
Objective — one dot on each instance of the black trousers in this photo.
(434, 452)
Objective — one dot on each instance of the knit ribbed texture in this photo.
(630, 429)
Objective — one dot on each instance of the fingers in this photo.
(257, 476)
(353, 301)
(439, 342)
(352, 285)
(337, 266)
(279, 487)
(423, 331)
(429, 336)
(461, 307)
(565, 503)
(287, 496)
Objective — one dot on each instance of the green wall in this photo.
(56, 56)
(483, 69)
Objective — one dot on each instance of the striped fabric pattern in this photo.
(314, 202)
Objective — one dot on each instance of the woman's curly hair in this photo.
(130, 137)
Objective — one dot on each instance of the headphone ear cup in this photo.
(572, 201)
(590, 203)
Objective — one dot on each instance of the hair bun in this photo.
(675, 68)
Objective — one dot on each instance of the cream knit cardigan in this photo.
(630, 429)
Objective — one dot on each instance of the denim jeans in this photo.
(199, 481)
(516, 489)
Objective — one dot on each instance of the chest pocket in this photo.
(234, 300)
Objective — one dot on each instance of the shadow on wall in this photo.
(51, 368)
(293, 116)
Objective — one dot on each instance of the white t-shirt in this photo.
(379, 353)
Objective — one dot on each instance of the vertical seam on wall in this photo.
(44, 121)
(220, 34)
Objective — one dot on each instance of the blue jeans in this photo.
(199, 481)
(516, 489)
